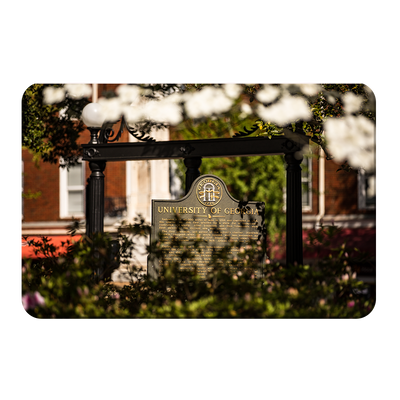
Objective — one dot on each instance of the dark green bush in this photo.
(74, 285)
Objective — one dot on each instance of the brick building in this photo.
(329, 196)
(61, 192)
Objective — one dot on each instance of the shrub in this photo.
(75, 284)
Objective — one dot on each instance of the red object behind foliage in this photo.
(28, 251)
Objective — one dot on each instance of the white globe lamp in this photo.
(92, 115)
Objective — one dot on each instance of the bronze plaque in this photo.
(208, 212)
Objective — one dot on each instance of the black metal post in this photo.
(95, 206)
(294, 232)
(87, 207)
(192, 172)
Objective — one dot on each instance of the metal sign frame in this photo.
(192, 151)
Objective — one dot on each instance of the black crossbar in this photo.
(175, 149)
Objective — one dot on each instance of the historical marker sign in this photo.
(208, 212)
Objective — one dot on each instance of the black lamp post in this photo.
(92, 117)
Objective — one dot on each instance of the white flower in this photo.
(78, 91)
(268, 94)
(53, 95)
(305, 150)
(352, 102)
(129, 93)
(132, 114)
(206, 102)
(38, 298)
(245, 110)
(345, 277)
(175, 98)
(232, 90)
(111, 109)
(310, 89)
(163, 111)
(331, 99)
(353, 139)
(287, 109)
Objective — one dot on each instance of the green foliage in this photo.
(259, 178)
(69, 287)
(51, 131)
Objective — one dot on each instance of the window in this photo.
(21, 189)
(306, 183)
(366, 190)
(72, 191)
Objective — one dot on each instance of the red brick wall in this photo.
(44, 178)
(341, 194)
(341, 190)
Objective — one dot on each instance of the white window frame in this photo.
(308, 180)
(64, 189)
(362, 192)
